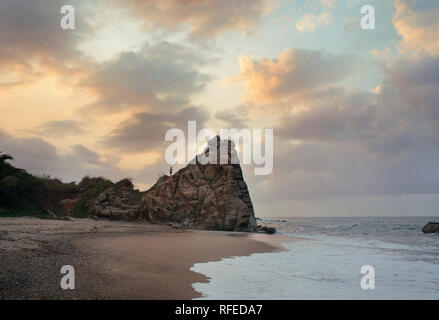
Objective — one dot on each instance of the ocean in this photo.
(327, 263)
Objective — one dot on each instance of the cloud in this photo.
(381, 124)
(417, 24)
(310, 22)
(146, 131)
(312, 170)
(234, 118)
(161, 77)
(407, 73)
(349, 143)
(33, 42)
(334, 116)
(329, 3)
(417, 82)
(86, 155)
(39, 157)
(294, 72)
(203, 18)
(61, 128)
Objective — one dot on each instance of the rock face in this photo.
(431, 227)
(265, 229)
(115, 204)
(207, 196)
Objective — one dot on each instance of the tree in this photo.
(6, 169)
(4, 157)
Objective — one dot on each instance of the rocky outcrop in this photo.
(265, 229)
(207, 196)
(115, 204)
(431, 227)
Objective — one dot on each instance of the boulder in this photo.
(211, 196)
(114, 204)
(431, 227)
(270, 230)
(265, 229)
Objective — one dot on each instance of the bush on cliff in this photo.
(22, 194)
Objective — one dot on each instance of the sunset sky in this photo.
(355, 112)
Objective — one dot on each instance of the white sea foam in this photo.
(406, 263)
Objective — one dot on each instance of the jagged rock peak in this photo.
(204, 195)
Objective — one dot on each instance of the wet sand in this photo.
(113, 260)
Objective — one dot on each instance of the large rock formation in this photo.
(208, 196)
(431, 227)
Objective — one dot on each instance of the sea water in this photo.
(327, 263)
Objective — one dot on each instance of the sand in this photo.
(113, 260)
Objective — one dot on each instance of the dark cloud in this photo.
(162, 77)
(342, 117)
(146, 131)
(61, 128)
(234, 118)
(39, 157)
(32, 40)
(86, 155)
(417, 83)
(311, 170)
(361, 143)
(405, 73)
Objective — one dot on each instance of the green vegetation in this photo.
(92, 188)
(22, 194)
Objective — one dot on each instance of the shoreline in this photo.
(114, 260)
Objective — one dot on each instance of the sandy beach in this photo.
(113, 260)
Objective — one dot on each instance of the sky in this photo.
(355, 113)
